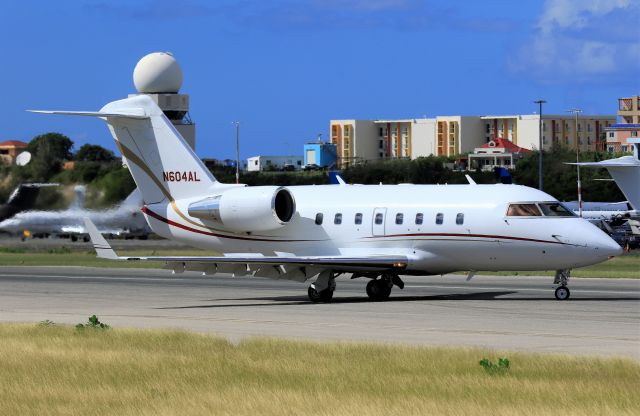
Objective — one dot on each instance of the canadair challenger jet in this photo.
(371, 231)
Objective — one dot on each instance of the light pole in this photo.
(540, 102)
(577, 111)
(237, 124)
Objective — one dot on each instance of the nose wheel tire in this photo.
(379, 289)
(562, 293)
(319, 297)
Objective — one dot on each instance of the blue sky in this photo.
(284, 68)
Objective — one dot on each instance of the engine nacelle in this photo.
(247, 209)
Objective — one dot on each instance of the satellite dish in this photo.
(23, 158)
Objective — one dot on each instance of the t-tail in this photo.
(625, 171)
(163, 165)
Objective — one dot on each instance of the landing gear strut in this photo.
(322, 289)
(562, 279)
(380, 289)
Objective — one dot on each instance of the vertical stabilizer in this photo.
(162, 164)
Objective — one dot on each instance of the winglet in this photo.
(103, 249)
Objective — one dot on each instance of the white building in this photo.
(259, 163)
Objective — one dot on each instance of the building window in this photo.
(460, 218)
(611, 135)
(381, 144)
(358, 219)
(610, 149)
(634, 134)
(255, 163)
(379, 218)
(381, 131)
(589, 140)
(624, 148)
(337, 219)
(589, 127)
(419, 218)
(439, 218)
(399, 218)
(319, 217)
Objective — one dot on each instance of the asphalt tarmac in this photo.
(509, 313)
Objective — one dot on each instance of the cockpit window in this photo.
(554, 209)
(523, 210)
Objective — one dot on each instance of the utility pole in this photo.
(540, 102)
(577, 111)
(237, 124)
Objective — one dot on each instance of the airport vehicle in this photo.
(21, 199)
(370, 231)
(123, 220)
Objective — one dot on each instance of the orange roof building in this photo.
(10, 149)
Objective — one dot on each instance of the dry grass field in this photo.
(60, 370)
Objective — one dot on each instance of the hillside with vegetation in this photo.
(108, 182)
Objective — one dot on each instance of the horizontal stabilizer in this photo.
(135, 113)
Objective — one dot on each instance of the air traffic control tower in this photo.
(159, 76)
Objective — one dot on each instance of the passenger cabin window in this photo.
(379, 218)
(337, 219)
(439, 218)
(399, 218)
(523, 210)
(319, 218)
(554, 209)
(358, 218)
(419, 218)
(460, 218)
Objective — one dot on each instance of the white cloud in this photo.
(575, 14)
(571, 41)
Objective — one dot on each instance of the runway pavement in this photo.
(520, 313)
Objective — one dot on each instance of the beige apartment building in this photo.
(628, 126)
(359, 141)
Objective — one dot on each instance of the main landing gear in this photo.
(322, 289)
(379, 289)
(562, 279)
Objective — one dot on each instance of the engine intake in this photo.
(247, 209)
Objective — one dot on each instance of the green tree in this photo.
(49, 150)
(94, 153)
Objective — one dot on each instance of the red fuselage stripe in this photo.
(488, 236)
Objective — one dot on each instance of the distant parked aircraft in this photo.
(126, 219)
(21, 199)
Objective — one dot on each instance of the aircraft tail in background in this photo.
(626, 173)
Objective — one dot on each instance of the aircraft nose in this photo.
(608, 247)
(604, 245)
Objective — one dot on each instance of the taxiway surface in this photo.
(512, 313)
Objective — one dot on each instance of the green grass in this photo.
(626, 266)
(60, 370)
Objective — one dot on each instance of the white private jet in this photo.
(372, 231)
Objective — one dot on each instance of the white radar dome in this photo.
(157, 72)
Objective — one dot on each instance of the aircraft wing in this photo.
(298, 268)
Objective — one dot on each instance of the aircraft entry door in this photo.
(379, 219)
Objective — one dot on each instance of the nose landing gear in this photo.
(562, 279)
